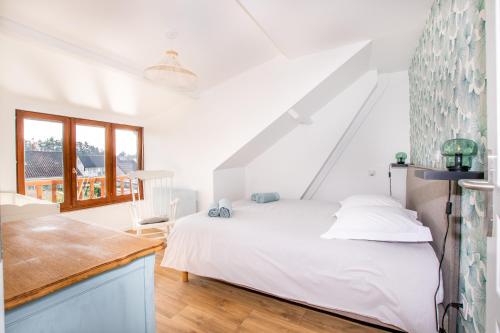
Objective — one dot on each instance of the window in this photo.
(126, 157)
(77, 163)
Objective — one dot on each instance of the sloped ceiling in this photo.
(300, 27)
(337, 81)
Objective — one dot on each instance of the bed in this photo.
(276, 248)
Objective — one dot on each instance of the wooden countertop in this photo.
(42, 255)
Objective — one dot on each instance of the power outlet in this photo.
(372, 173)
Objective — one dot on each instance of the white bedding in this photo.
(276, 248)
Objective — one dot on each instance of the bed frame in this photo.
(429, 199)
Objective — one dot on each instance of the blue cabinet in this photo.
(120, 300)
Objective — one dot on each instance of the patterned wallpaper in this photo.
(448, 100)
(472, 286)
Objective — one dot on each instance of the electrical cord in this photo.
(457, 306)
(448, 213)
(390, 181)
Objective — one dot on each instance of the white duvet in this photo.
(276, 248)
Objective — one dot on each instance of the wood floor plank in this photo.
(322, 322)
(264, 322)
(208, 306)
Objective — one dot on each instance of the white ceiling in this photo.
(35, 72)
(216, 39)
(300, 27)
(219, 39)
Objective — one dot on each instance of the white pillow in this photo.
(369, 200)
(411, 213)
(377, 223)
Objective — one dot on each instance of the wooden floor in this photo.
(205, 305)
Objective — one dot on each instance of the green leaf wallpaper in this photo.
(448, 100)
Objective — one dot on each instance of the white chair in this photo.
(155, 205)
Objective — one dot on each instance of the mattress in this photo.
(276, 248)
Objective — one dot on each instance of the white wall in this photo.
(191, 137)
(199, 136)
(301, 111)
(229, 183)
(115, 216)
(384, 132)
(289, 166)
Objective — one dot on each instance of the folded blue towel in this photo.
(267, 197)
(213, 210)
(253, 197)
(225, 208)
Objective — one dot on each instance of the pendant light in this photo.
(169, 71)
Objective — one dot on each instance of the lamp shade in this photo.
(458, 154)
(401, 157)
(169, 72)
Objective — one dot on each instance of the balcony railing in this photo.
(39, 186)
(87, 188)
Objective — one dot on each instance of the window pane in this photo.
(126, 143)
(90, 162)
(43, 160)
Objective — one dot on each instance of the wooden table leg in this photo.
(184, 276)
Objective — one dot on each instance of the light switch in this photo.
(371, 173)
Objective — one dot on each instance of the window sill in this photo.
(89, 205)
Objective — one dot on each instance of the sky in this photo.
(126, 140)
